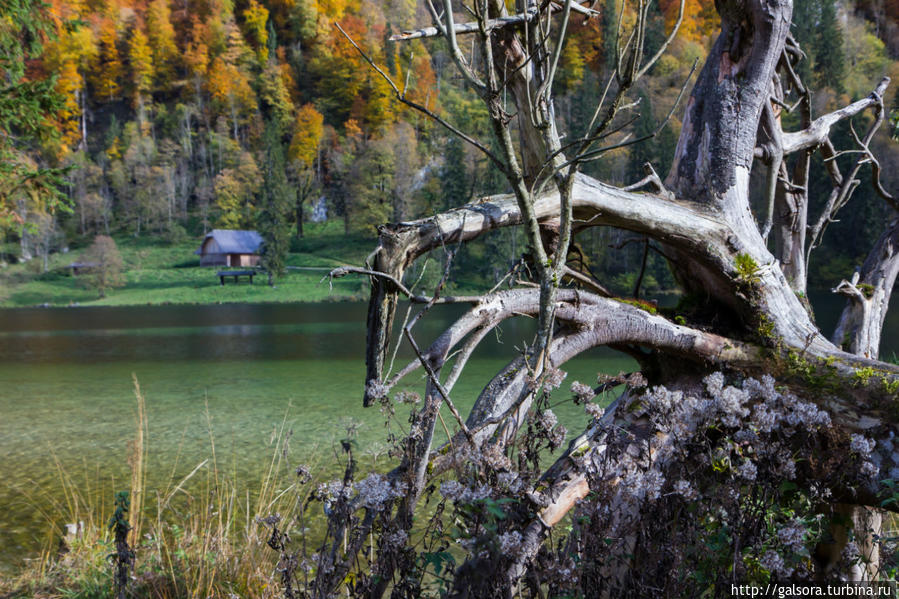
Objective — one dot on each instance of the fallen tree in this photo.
(703, 421)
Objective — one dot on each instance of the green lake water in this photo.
(66, 394)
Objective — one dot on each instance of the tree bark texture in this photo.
(717, 248)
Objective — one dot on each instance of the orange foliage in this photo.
(287, 74)
(353, 131)
(196, 56)
(700, 18)
(587, 39)
(230, 88)
(422, 80)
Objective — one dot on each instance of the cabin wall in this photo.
(214, 254)
(213, 260)
(243, 259)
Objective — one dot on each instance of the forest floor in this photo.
(162, 272)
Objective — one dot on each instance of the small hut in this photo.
(79, 268)
(227, 247)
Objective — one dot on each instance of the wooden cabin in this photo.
(227, 247)
(79, 268)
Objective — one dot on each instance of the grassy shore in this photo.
(160, 272)
(195, 536)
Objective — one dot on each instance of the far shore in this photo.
(162, 272)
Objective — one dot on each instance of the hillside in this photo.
(171, 118)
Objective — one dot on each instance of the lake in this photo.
(67, 405)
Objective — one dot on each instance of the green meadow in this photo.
(161, 272)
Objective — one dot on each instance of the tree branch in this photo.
(492, 24)
(819, 131)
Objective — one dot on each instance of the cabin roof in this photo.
(231, 241)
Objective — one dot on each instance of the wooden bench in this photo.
(236, 274)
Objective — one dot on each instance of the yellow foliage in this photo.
(256, 19)
(161, 35)
(69, 85)
(376, 106)
(140, 58)
(69, 56)
(307, 135)
(866, 57)
(80, 45)
(333, 10)
(107, 68)
(275, 94)
(235, 191)
(571, 69)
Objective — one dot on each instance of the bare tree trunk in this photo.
(868, 292)
(700, 215)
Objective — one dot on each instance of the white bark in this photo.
(703, 220)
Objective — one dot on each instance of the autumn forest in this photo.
(176, 117)
(690, 205)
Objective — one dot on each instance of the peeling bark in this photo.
(868, 292)
(700, 215)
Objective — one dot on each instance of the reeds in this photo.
(137, 460)
(197, 535)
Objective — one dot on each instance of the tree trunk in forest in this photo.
(299, 216)
(868, 293)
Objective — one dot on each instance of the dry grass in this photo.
(196, 537)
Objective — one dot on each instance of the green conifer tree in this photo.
(454, 180)
(276, 202)
(609, 30)
(642, 153)
(805, 18)
(830, 63)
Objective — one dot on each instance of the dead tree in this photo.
(700, 217)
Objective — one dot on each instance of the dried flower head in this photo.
(375, 389)
(452, 489)
(407, 397)
(861, 445)
(685, 490)
(747, 470)
(553, 379)
(582, 393)
(594, 411)
(793, 535)
(304, 475)
(510, 543)
(376, 492)
(547, 420)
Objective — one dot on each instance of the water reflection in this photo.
(65, 387)
(65, 392)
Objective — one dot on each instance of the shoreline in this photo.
(336, 299)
